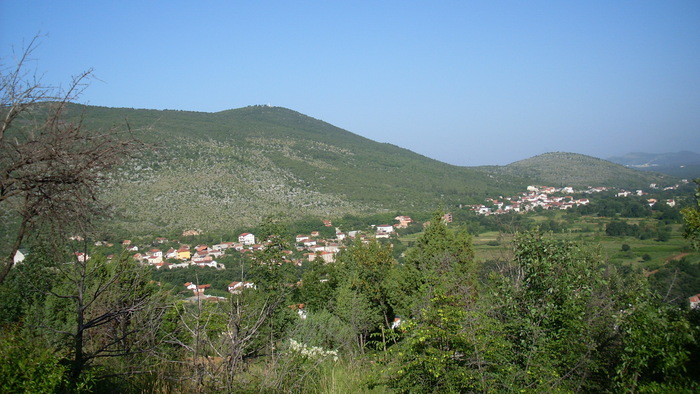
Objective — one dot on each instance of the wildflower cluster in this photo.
(315, 352)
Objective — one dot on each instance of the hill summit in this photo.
(577, 170)
(226, 170)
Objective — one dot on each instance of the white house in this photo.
(207, 263)
(197, 289)
(81, 257)
(154, 259)
(215, 253)
(246, 239)
(19, 257)
(385, 228)
(237, 287)
(171, 254)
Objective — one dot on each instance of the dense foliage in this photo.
(555, 317)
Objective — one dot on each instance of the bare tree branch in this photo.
(51, 166)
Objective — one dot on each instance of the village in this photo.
(544, 197)
(310, 247)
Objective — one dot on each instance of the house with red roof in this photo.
(246, 239)
(694, 301)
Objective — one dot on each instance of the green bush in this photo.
(27, 366)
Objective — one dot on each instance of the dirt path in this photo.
(672, 258)
(677, 257)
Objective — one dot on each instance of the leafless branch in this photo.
(51, 166)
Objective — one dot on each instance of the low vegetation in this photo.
(549, 313)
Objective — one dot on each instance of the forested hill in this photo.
(225, 170)
(573, 169)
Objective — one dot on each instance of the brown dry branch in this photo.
(51, 166)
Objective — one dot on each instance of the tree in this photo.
(691, 217)
(51, 167)
(440, 258)
(575, 324)
(96, 309)
(366, 268)
(319, 283)
(451, 343)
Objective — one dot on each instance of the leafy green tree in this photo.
(362, 298)
(27, 365)
(355, 309)
(675, 280)
(440, 257)
(318, 285)
(455, 346)
(575, 324)
(654, 353)
(451, 343)
(691, 217)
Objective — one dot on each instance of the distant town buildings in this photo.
(542, 196)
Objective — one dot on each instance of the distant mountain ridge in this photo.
(227, 170)
(577, 170)
(684, 164)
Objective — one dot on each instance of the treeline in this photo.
(555, 317)
(607, 205)
(658, 232)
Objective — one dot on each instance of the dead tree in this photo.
(51, 167)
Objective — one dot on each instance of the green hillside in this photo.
(222, 171)
(576, 170)
(225, 171)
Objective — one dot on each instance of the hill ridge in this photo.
(231, 168)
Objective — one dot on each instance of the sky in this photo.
(464, 82)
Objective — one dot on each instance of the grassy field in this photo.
(590, 230)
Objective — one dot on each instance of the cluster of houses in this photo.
(200, 255)
(544, 197)
(308, 246)
(651, 201)
(314, 247)
(233, 287)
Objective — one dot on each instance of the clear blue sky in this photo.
(464, 82)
